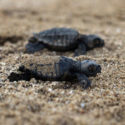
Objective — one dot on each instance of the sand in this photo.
(62, 103)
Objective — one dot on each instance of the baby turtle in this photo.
(63, 39)
(57, 68)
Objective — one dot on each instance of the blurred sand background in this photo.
(62, 103)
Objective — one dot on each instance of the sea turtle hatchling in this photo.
(56, 68)
(63, 39)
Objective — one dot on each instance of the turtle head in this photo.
(90, 68)
(93, 41)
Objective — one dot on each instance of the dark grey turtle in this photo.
(56, 69)
(63, 39)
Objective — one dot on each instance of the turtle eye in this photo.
(92, 68)
(96, 41)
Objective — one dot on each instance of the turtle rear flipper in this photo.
(34, 47)
(17, 77)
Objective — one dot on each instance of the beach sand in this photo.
(62, 103)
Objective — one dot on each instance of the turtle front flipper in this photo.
(34, 47)
(83, 80)
(81, 50)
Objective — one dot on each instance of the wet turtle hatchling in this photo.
(63, 39)
(56, 68)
